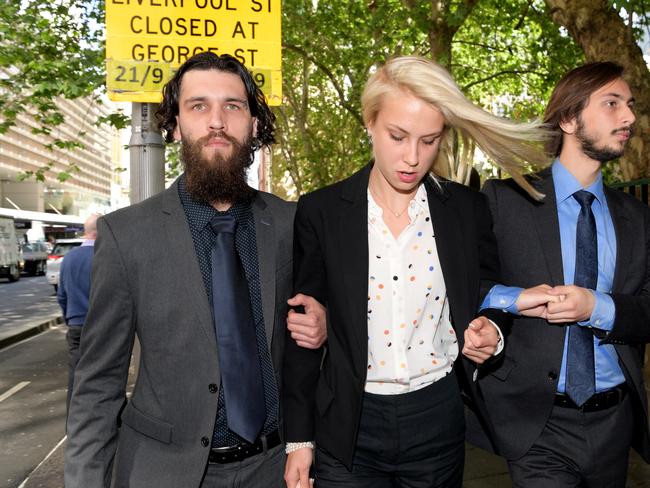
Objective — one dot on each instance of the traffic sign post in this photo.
(147, 153)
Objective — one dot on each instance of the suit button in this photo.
(205, 442)
(213, 388)
(552, 375)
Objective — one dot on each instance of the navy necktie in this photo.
(581, 381)
(239, 360)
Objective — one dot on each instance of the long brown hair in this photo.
(571, 94)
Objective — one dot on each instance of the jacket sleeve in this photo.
(632, 320)
(489, 259)
(101, 374)
(302, 366)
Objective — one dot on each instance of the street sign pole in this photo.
(146, 152)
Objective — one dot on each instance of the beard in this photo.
(217, 178)
(590, 146)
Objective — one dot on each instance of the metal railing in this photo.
(637, 188)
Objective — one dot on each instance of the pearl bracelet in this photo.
(294, 446)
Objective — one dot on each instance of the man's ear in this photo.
(569, 126)
(254, 127)
(177, 130)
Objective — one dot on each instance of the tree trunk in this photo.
(603, 36)
(444, 25)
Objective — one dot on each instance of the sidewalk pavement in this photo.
(10, 334)
(482, 469)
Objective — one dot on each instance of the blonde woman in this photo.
(401, 259)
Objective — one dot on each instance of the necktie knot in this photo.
(584, 198)
(223, 223)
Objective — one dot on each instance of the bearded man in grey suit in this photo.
(202, 274)
(568, 400)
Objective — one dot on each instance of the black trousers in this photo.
(266, 470)
(73, 337)
(413, 440)
(577, 449)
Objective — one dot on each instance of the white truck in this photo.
(11, 258)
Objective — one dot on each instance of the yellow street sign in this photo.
(147, 39)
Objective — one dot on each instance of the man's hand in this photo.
(481, 340)
(576, 304)
(533, 302)
(296, 471)
(308, 329)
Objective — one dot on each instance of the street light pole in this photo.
(147, 153)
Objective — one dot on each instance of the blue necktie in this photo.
(239, 360)
(581, 381)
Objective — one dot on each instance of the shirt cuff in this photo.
(501, 342)
(604, 312)
(502, 298)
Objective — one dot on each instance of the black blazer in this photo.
(519, 394)
(323, 392)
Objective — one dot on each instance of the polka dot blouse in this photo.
(411, 342)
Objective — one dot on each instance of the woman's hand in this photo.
(296, 472)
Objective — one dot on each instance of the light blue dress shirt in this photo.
(608, 371)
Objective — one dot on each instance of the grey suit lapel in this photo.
(265, 237)
(622, 227)
(181, 251)
(544, 214)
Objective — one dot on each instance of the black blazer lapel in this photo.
(622, 227)
(352, 237)
(544, 214)
(445, 220)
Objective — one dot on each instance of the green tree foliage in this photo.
(329, 49)
(48, 50)
(505, 54)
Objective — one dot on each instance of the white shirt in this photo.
(411, 342)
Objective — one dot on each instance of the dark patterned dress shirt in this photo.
(198, 216)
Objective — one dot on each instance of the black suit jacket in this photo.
(323, 393)
(519, 394)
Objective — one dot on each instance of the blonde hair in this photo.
(509, 144)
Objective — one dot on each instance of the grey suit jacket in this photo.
(147, 282)
(519, 394)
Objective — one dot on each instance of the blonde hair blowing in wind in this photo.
(509, 144)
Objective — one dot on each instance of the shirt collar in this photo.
(566, 184)
(419, 200)
(88, 242)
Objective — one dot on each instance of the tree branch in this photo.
(498, 74)
(335, 83)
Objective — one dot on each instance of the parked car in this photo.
(61, 248)
(11, 257)
(35, 256)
